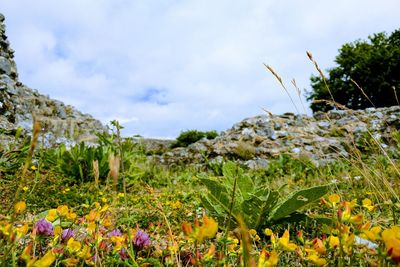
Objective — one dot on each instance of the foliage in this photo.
(77, 161)
(374, 65)
(191, 136)
(235, 194)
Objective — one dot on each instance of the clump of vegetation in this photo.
(366, 75)
(192, 136)
(244, 150)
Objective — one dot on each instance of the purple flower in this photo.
(44, 227)
(115, 232)
(141, 240)
(123, 254)
(67, 234)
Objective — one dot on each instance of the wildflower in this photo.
(334, 199)
(268, 259)
(333, 241)
(33, 168)
(367, 203)
(370, 233)
(284, 242)
(84, 253)
(391, 238)
(44, 227)
(115, 232)
(67, 234)
(62, 210)
(314, 258)
(20, 207)
(141, 240)
(319, 246)
(51, 215)
(123, 254)
(207, 230)
(46, 261)
(253, 235)
(25, 188)
(73, 246)
(71, 215)
(21, 231)
(357, 219)
(121, 195)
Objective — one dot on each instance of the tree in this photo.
(373, 64)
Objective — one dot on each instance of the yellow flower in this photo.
(208, 229)
(71, 216)
(25, 188)
(21, 231)
(268, 259)
(314, 258)
(334, 199)
(391, 238)
(46, 261)
(121, 195)
(333, 241)
(268, 232)
(118, 242)
(367, 203)
(91, 227)
(62, 210)
(51, 215)
(107, 221)
(6, 230)
(284, 242)
(57, 230)
(73, 246)
(33, 168)
(20, 207)
(370, 233)
(357, 219)
(85, 252)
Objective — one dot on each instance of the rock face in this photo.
(321, 138)
(18, 103)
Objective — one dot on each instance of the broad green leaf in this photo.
(297, 200)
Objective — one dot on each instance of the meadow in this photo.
(110, 205)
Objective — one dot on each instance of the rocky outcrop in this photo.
(322, 138)
(18, 103)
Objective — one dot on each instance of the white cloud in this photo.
(165, 66)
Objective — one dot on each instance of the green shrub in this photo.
(192, 136)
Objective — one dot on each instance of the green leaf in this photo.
(297, 200)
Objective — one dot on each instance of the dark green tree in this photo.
(373, 64)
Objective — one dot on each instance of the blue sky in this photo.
(160, 67)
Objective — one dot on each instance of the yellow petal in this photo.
(46, 260)
(334, 199)
(20, 207)
(51, 215)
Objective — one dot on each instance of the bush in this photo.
(192, 136)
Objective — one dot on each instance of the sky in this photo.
(161, 67)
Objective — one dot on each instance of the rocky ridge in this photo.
(321, 138)
(18, 104)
